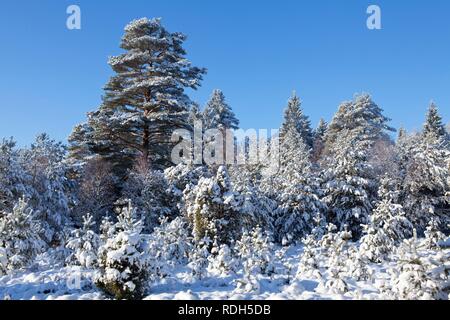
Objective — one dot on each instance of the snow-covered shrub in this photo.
(433, 235)
(84, 243)
(182, 175)
(214, 209)
(338, 256)
(169, 245)
(309, 264)
(198, 259)
(410, 280)
(222, 261)
(20, 240)
(256, 253)
(123, 260)
(358, 266)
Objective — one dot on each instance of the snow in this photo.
(61, 284)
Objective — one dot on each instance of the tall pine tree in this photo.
(144, 101)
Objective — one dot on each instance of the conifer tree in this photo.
(294, 118)
(20, 240)
(433, 124)
(144, 101)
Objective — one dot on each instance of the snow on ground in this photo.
(75, 283)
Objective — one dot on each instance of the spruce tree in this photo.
(298, 188)
(218, 114)
(433, 124)
(294, 118)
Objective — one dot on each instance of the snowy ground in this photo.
(74, 283)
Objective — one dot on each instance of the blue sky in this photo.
(257, 52)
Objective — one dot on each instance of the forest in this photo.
(356, 209)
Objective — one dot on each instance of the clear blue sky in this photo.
(257, 52)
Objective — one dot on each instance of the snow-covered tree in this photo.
(198, 258)
(433, 126)
(222, 261)
(295, 119)
(181, 176)
(361, 117)
(52, 190)
(388, 225)
(349, 185)
(145, 99)
(123, 260)
(338, 256)
(20, 240)
(14, 180)
(256, 252)
(410, 280)
(96, 190)
(214, 209)
(218, 114)
(298, 189)
(84, 243)
(426, 184)
(169, 245)
(309, 263)
(319, 140)
(195, 114)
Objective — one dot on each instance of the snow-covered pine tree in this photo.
(222, 261)
(349, 185)
(181, 176)
(145, 100)
(20, 240)
(84, 243)
(52, 190)
(410, 279)
(361, 117)
(123, 259)
(319, 140)
(256, 253)
(218, 114)
(199, 258)
(214, 209)
(14, 180)
(433, 124)
(294, 118)
(338, 255)
(426, 184)
(388, 225)
(298, 188)
(169, 245)
(309, 263)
